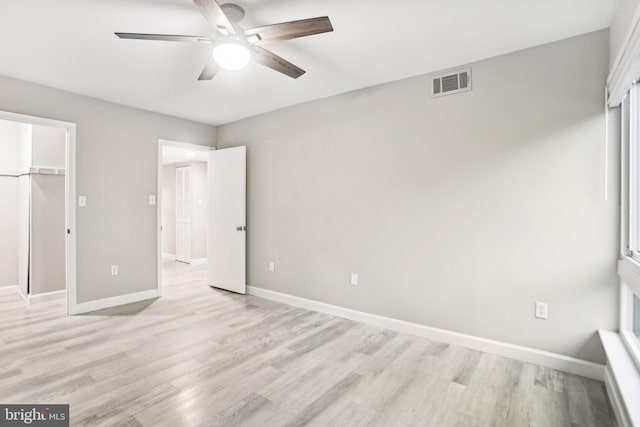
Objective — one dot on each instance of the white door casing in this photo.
(183, 214)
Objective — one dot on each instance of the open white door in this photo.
(183, 214)
(226, 242)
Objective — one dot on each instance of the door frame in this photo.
(185, 169)
(161, 144)
(70, 197)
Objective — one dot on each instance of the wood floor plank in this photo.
(200, 356)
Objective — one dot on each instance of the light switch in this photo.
(200, 202)
(82, 201)
(152, 200)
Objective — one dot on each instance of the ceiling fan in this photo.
(234, 47)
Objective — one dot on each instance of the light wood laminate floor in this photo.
(205, 357)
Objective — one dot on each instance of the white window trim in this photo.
(622, 374)
(629, 339)
(629, 264)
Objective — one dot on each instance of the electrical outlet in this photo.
(354, 279)
(272, 267)
(152, 199)
(542, 310)
(114, 270)
(82, 201)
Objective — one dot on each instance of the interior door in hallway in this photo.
(183, 214)
(226, 243)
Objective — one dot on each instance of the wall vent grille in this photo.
(451, 82)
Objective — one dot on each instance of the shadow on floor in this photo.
(133, 309)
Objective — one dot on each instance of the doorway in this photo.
(183, 208)
(202, 216)
(37, 185)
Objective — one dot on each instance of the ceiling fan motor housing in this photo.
(233, 12)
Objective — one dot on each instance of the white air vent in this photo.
(451, 82)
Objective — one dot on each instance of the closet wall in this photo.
(47, 190)
(10, 136)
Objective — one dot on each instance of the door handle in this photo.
(241, 228)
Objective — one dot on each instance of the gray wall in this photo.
(457, 212)
(200, 212)
(8, 231)
(10, 137)
(117, 171)
(48, 147)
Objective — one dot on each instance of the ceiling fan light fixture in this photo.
(234, 47)
(231, 55)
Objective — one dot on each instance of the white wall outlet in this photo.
(82, 201)
(272, 267)
(152, 199)
(114, 270)
(542, 310)
(200, 203)
(354, 279)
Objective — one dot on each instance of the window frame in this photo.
(630, 212)
(629, 338)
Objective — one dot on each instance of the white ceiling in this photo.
(172, 155)
(69, 44)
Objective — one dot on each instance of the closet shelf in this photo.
(33, 170)
(46, 171)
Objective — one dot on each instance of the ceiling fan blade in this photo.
(273, 61)
(214, 14)
(289, 30)
(164, 37)
(209, 70)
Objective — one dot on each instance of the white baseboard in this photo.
(198, 261)
(24, 296)
(86, 307)
(512, 351)
(9, 290)
(13, 289)
(48, 296)
(167, 256)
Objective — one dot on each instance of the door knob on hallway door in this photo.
(241, 228)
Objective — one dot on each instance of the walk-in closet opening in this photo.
(34, 208)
